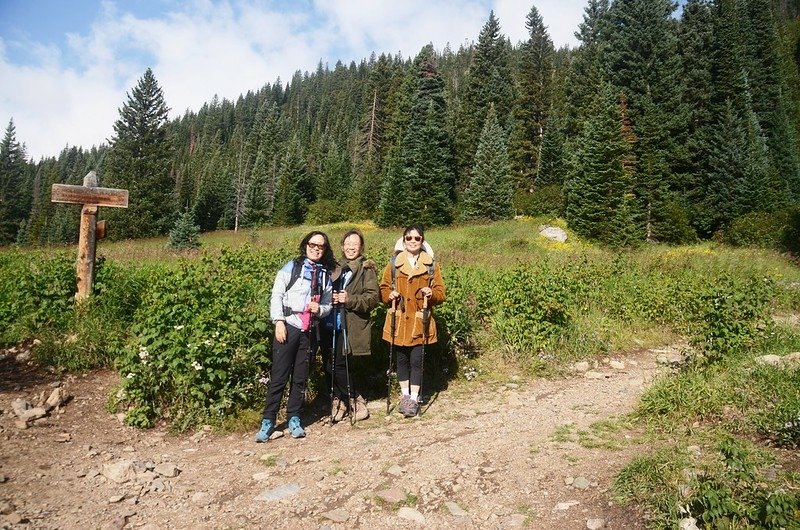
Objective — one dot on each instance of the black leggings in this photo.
(409, 364)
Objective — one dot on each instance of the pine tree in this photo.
(489, 81)
(139, 160)
(419, 185)
(598, 179)
(14, 201)
(533, 100)
(185, 235)
(293, 194)
(490, 192)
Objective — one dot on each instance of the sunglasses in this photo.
(316, 246)
(413, 238)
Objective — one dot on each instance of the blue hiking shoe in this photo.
(295, 429)
(266, 429)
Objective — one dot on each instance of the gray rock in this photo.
(337, 516)
(264, 475)
(276, 494)
(455, 509)
(19, 406)
(591, 374)
(616, 365)
(562, 506)
(581, 366)
(13, 518)
(57, 398)
(553, 233)
(770, 360)
(119, 472)
(410, 514)
(24, 356)
(581, 483)
(391, 495)
(595, 524)
(33, 414)
(395, 471)
(6, 507)
(201, 498)
(688, 523)
(116, 498)
(167, 469)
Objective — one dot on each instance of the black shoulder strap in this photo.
(297, 269)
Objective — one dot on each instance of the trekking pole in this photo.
(426, 320)
(316, 296)
(345, 351)
(391, 355)
(333, 363)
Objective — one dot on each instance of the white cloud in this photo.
(72, 96)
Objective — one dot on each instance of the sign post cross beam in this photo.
(90, 196)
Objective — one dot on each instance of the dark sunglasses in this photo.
(315, 246)
(413, 238)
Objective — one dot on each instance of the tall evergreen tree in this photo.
(768, 89)
(598, 180)
(419, 185)
(533, 100)
(490, 191)
(139, 160)
(489, 81)
(14, 201)
(294, 187)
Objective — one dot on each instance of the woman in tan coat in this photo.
(412, 283)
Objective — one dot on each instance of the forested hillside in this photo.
(657, 127)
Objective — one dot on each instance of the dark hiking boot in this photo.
(266, 430)
(412, 408)
(404, 406)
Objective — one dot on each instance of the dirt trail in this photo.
(502, 455)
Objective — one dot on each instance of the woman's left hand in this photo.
(426, 292)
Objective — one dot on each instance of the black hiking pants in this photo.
(288, 359)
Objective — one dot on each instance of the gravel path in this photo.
(504, 455)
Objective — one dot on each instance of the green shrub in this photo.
(200, 341)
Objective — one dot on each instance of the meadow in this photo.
(189, 334)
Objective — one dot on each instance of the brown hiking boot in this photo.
(360, 406)
(339, 409)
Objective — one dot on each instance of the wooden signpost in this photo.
(90, 196)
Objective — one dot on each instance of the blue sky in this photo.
(67, 65)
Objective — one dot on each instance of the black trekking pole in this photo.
(333, 362)
(345, 352)
(316, 296)
(393, 311)
(426, 320)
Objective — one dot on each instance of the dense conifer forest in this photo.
(658, 127)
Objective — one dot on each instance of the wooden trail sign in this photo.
(90, 196)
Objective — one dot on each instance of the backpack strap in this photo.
(297, 269)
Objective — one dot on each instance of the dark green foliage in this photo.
(139, 160)
(419, 184)
(489, 80)
(199, 341)
(15, 195)
(185, 235)
(295, 191)
(533, 103)
(598, 179)
(489, 193)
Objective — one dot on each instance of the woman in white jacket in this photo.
(301, 296)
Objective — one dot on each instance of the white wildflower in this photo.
(178, 328)
(207, 342)
(130, 375)
(196, 365)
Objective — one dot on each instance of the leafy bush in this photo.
(37, 292)
(200, 341)
(730, 316)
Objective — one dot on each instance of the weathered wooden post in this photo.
(90, 196)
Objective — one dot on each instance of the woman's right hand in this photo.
(393, 296)
(280, 331)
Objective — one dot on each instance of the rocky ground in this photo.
(512, 454)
